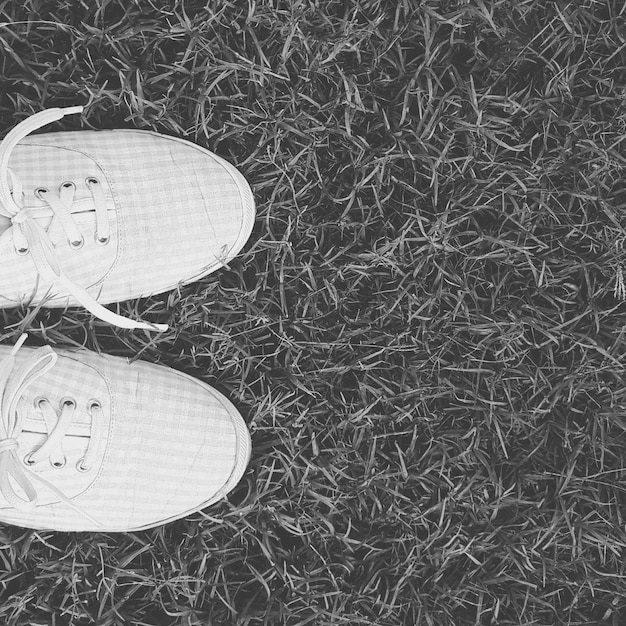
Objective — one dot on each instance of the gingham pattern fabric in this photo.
(177, 212)
(169, 445)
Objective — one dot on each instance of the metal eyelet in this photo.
(92, 180)
(77, 245)
(80, 467)
(93, 404)
(68, 184)
(40, 191)
(67, 402)
(60, 464)
(28, 461)
(22, 251)
(102, 241)
(38, 401)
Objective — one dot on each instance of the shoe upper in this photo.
(175, 212)
(161, 444)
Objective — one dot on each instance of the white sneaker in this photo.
(93, 442)
(93, 217)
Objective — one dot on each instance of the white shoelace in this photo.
(30, 238)
(13, 383)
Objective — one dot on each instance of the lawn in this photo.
(426, 332)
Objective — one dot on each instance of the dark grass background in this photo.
(426, 332)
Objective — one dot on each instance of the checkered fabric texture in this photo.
(177, 212)
(168, 445)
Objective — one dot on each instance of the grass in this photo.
(425, 332)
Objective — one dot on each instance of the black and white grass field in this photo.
(426, 332)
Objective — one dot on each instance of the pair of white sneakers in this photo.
(89, 441)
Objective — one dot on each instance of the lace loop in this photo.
(30, 237)
(8, 444)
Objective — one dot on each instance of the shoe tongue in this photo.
(83, 215)
(80, 207)
(34, 432)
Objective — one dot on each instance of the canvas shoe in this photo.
(94, 217)
(96, 443)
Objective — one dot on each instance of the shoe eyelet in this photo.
(93, 404)
(77, 245)
(102, 241)
(28, 461)
(68, 402)
(80, 467)
(60, 464)
(68, 184)
(22, 251)
(92, 180)
(38, 401)
(40, 191)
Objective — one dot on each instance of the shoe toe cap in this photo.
(177, 445)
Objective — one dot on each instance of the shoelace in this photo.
(13, 383)
(30, 237)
